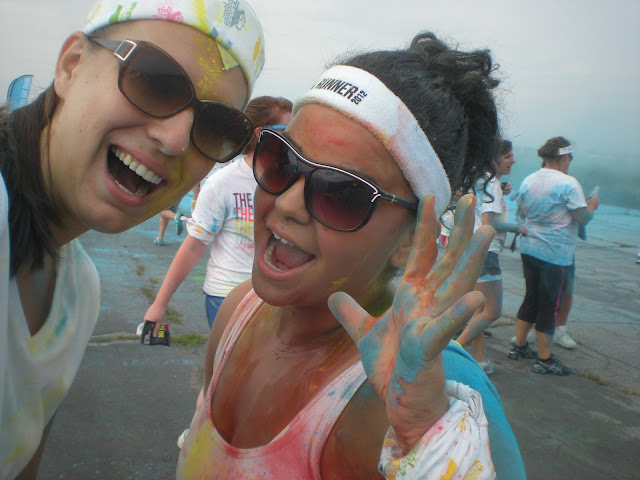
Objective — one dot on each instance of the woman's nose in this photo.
(173, 133)
(290, 203)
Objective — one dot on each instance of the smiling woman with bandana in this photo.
(319, 367)
(144, 102)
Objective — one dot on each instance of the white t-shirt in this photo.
(545, 199)
(223, 219)
(37, 371)
(484, 204)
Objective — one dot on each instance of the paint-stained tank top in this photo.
(294, 453)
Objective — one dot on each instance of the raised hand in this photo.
(401, 350)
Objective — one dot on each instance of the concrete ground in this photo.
(130, 402)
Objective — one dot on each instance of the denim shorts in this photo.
(491, 269)
(212, 305)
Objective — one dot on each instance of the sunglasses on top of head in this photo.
(335, 197)
(156, 84)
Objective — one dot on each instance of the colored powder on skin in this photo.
(371, 346)
(210, 70)
(336, 284)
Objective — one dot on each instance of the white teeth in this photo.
(268, 253)
(279, 238)
(138, 168)
(140, 192)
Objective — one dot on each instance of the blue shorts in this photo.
(212, 305)
(491, 271)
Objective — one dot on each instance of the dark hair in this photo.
(31, 210)
(503, 147)
(449, 93)
(264, 111)
(549, 151)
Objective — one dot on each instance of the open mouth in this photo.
(131, 176)
(283, 255)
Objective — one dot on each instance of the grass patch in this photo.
(189, 340)
(595, 378)
(140, 269)
(153, 281)
(501, 323)
(174, 316)
(631, 391)
(114, 337)
(149, 293)
(101, 339)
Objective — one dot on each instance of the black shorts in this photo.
(545, 285)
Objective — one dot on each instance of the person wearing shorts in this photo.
(491, 209)
(171, 213)
(552, 205)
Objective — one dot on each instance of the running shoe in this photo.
(563, 338)
(552, 365)
(159, 242)
(487, 366)
(525, 351)
(487, 334)
(531, 337)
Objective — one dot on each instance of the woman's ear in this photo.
(69, 59)
(400, 256)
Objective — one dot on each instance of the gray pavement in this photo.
(130, 402)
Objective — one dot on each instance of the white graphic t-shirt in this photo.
(545, 200)
(484, 204)
(223, 219)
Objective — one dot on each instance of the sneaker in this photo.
(563, 338)
(181, 438)
(531, 337)
(487, 334)
(552, 365)
(159, 242)
(179, 224)
(638, 259)
(525, 351)
(487, 366)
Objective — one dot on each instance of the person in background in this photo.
(143, 102)
(301, 381)
(551, 204)
(222, 220)
(171, 214)
(491, 209)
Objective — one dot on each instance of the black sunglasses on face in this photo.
(156, 84)
(335, 197)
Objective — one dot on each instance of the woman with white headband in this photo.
(143, 103)
(348, 197)
(551, 204)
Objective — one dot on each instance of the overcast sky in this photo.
(569, 67)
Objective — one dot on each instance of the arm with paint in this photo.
(431, 428)
(493, 219)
